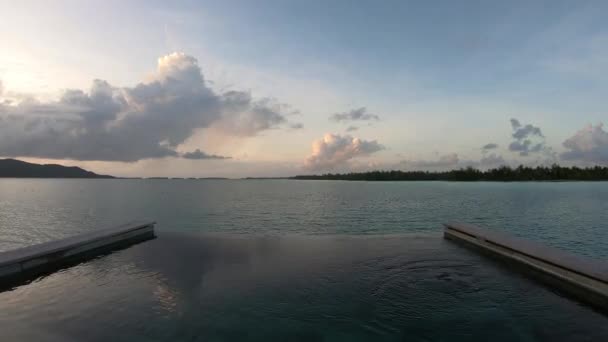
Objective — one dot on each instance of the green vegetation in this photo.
(502, 174)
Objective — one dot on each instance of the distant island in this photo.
(12, 168)
(501, 174)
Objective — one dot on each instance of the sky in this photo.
(279, 88)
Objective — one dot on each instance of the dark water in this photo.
(192, 287)
(298, 261)
(572, 216)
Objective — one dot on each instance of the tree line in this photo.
(503, 174)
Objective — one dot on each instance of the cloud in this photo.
(334, 150)
(589, 144)
(444, 161)
(492, 160)
(525, 147)
(149, 120)
(244, 116)
(352, 128)
(198, 154)
(297, 125)
(489, 146)
(528, 139)
(453, 161)
(515, 123)
(1, 88)
(526, 131)
(358, 114)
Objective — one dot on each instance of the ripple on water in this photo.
(34, 210)
(330, 288)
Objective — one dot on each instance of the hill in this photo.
(19, 169)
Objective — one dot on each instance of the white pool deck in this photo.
(52, 254)
(586, 280)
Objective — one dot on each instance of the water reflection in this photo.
(331, 288)
(167, 298)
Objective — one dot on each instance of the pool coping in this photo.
(48, 255)
(583, 279)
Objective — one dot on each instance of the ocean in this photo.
(286, 260)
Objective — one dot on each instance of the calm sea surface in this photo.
(285, 260)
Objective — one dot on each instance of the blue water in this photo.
(298, 261)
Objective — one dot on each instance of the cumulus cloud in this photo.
(149, 120)
(244, 116)
(522, 132)
(443, 161)
(198, 154)
(489, 146)
(528, 139)
(525, 147)
(334, 150)
(352, 128)
(515, 124)
(358, 114)
(589, 144)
